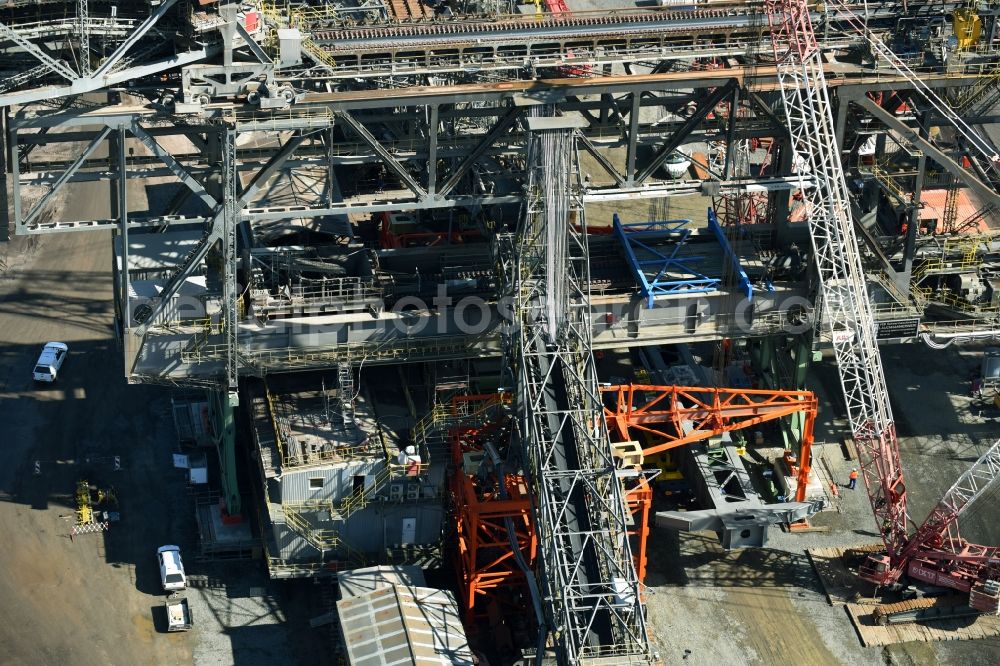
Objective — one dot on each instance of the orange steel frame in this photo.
(639, 501)
(486, 567)
(709, 411)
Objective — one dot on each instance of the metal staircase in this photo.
(966, 98)
(322, 539)
(889, 185)
(358, 501)
(430, 434)
(345, 382)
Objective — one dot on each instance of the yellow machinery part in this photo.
(967, 26)
(84, 514)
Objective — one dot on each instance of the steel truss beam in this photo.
(987, 193)
(504, 123)
(696, 413)
(63, 178)
(385, 156)
(57, 66)
(215, 226)
(511, 141)
(196, 187)
(133, 39)
(221, 226)
(697, 117)
(847, 310)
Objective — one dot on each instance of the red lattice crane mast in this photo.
(935, 551)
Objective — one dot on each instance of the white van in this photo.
(51, 359)
(171, 568)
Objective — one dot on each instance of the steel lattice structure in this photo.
(967, 489)
(848, 317)
(847, 309)
(588, 577)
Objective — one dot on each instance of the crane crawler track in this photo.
(913, 610)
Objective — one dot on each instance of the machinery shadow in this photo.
(697, 560)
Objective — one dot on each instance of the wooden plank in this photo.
(839, 585)
(696, 162)
(837, 581)
(849, 449)
(874, 635)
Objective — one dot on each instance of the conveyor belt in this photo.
(538, 29)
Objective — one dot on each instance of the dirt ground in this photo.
(86, 601)
(96, 599)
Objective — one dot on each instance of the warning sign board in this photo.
(897, 328)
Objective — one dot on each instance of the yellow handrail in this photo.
(359, 501)
(319, 538)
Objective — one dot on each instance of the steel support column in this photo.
(633, 141)
(781, 205)
(14, 165)
(734, 106)
(432, 148)
(913, 214)
(5, 156)
(840, 124)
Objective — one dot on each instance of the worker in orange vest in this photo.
(853, 482)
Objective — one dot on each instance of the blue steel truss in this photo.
(652, 264)
(713, 224)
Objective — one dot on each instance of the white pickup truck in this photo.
(51, 359)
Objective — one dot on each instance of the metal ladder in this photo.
(345, 382)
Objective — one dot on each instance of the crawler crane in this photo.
(935, 552)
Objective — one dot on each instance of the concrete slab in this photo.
(216, 534)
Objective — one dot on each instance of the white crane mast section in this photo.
(967, 489)
(847, 310)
